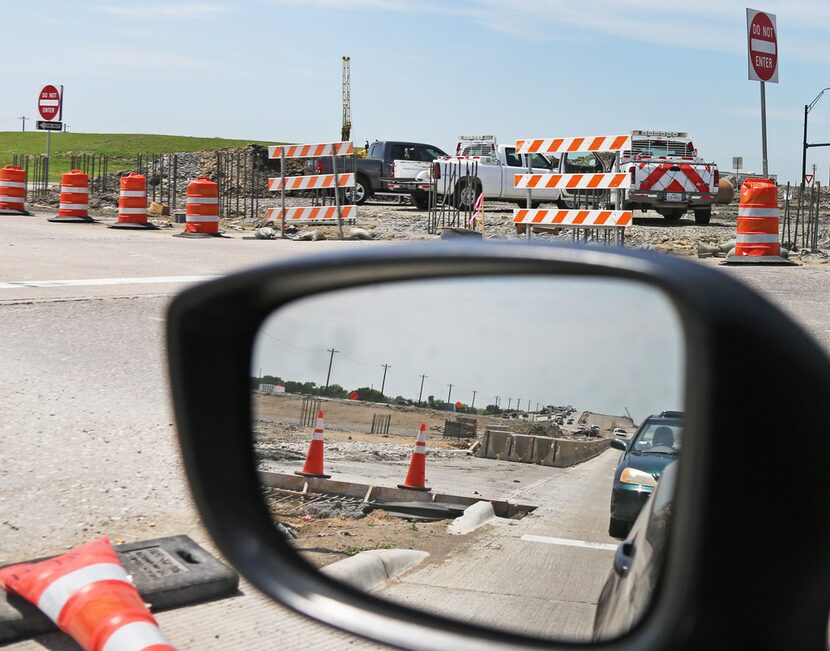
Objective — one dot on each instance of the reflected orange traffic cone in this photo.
(416, 477)
(314, 459)
(87, 593)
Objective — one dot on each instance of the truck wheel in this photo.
(533, 204)
(566, 203)
(618, 528)
(359, 193)
(674, 214)
(703, 216)
(466, 194)
(421, 201)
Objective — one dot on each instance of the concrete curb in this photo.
(371, 569)
(475, 516)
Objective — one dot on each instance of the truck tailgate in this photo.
(674, 177)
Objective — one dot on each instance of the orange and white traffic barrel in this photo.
(132, 203)
(74, 198)
(13, 191)
(201, 209)
(87, 593)
(757, 239)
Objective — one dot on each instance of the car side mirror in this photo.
(617, 444)
(709, 591)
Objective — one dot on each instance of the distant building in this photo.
(271, 389)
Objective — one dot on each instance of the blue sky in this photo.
(426, 70)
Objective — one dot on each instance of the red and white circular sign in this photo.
(49, 102)
(763, 47)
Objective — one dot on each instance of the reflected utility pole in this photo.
(473, 403)
(421, 392)
(383, 383)
(331, 359)
(449, 393)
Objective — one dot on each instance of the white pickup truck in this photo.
(668, 176)
(497, 166)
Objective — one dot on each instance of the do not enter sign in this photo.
(49, 102)
(762, 42)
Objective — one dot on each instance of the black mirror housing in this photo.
(718, 588)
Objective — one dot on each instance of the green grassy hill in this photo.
(122, 148)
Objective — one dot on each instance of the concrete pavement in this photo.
(89, 446)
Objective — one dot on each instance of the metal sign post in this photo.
(762, 51)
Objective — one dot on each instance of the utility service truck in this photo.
(669, 176)
(495, 169)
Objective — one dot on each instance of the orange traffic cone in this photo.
(314, 459)
(87, 593)
(416, 477)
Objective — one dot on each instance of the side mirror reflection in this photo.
(454, 435)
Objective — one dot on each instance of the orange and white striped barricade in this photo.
(757, 239)
(73, 206)
(321, 215)
(201, 209)
(87, 593)
(13, 191)
(132, 203)
(580, 219)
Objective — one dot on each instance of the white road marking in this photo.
(100, 282)
(568, 543)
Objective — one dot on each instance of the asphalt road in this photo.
(89, 446)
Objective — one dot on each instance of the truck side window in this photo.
(582, 163)
(396, 152)
(512, 158)
(426, 154)
(540, 162)
(375, 150)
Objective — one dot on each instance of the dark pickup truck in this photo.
(375, 172)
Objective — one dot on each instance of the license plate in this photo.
(674, 196)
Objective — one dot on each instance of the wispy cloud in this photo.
(167, 10)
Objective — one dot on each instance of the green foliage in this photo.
(122, 148)
(369, 395)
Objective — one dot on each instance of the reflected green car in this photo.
(655, 445)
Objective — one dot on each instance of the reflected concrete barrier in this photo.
(569, 453)
(522, 448)
(367, 493)
(498, 445)
(544, 451)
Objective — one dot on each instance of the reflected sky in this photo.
(598, 344)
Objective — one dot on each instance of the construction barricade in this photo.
(73, 206)
(13, 191)
(321, 215)
(201, 209)
(757, 240)
(611, 223)
(132, 203)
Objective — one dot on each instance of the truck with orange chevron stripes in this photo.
(669, 176)
(666, 173)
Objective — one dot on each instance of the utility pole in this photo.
(23, 118)
(449, 393)
(383, 383)
(509, 400)
(331, 359)
(519, 404)
(346, 129)
(473, 403)
(497, 400)
(421, 392)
